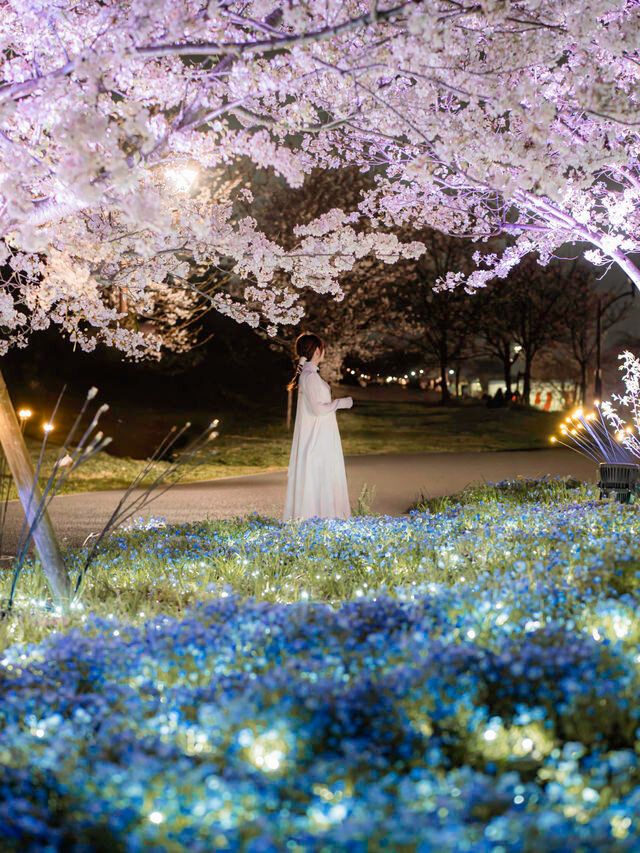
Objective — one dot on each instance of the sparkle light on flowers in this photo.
(245, 716)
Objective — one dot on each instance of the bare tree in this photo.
(495, 324)
(527, 310)
(537, 308)
(591, 314)
(439, 325)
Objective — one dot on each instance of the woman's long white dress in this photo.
(316, 482)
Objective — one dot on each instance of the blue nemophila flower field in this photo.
(465, 679)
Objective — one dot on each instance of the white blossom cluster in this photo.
(627, 424)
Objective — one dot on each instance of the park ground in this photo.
(383, 421)
(461, 676)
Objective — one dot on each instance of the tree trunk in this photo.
(15, 451)
(598, 377)
(507, 374)
(583, 382)
(526, 390)
(444, 373)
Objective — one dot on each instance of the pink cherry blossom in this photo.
(513, 118)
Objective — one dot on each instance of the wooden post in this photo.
(15, 451)
(289, 407)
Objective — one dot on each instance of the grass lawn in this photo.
(461, 679)
(252, 445)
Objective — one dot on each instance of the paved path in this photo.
(399, 480)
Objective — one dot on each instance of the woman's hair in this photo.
(306, 344)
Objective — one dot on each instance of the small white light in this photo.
(156, 817)
(272, 759)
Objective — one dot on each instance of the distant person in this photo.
(316, 481)
(498, 399)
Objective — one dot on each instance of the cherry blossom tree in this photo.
(101, 102)
(354, 322)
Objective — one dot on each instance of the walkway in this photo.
(398, 479)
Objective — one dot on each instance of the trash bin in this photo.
(621, 478)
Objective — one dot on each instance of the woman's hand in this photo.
(346, 402)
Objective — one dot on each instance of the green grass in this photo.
(522, 490)
(373, 427)
(251, 446)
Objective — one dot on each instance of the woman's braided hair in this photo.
(306, 344)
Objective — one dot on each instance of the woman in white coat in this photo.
(316, 482)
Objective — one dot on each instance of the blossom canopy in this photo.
(473, 118)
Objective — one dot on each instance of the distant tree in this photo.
(586, 306)
(495, 323)
(516, 320)
(439, 325)
(528, 310)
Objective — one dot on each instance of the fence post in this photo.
(289, 407)
(19, 462)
